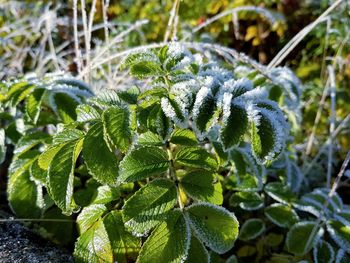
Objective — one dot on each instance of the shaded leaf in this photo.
(251, 229)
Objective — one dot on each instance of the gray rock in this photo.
(20, 245)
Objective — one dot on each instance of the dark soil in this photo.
(18, 244)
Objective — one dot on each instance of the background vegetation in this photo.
(43, 42)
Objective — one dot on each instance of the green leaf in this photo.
(169, 242)
(175, 107)
(196, 157)
(130, 95)
(234, 125)
(247, 200)
(299, 240)
(93, 246)
(274, 240)
(201, 185)
(24, 196)
(74, 83)
(197, 252)
(145, 69)
(232, 259)
(135, 58)
(116, 124)
(221, 155)
(87, 113)
(19, 91)
(149, 139)
(154, 92)
(47, 156)
(314, 202)
(61, 176)
(204, 110)
(148, 206)
(65, 106)
(67, 135)
(323, 252)
(100, 161)
(158, 123)
(33, 104)
(265, 138)
(340, 233)
(244, 183)
(342, 257)
(280, 192)
(142, 163)
(124, 245)
(213, 225)
(2, 146)
(106, 194)
(281, 215)
(251, 229)
(89, 215)
(37, 174)
(184, 137)
(105, 99)
(30, 140)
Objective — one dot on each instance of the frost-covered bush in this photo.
(176, 171)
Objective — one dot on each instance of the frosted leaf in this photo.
(176, 49)
(254, 94)
(292, 85)
(142, 56)
(253, 113)
(273, 107)
(238, 87)
(183, 95)
(204, 217)
(182, 77)
(178, 57)
(226, 107)
(203, 112)
(323, 252)
(208, 82)
(198, 58)
(340, 233)
(343, 217)
(276, 133)
(294, 175)
(215, 71)
(299, 235)
(342, 257)
(169, 242)
(252, 165)
(169, 111)
(241, 70)
(314, 202)
(251, 229)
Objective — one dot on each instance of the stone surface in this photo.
(20, 245)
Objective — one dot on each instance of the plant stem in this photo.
(172, 174)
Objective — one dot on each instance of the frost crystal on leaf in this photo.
(170, 112)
